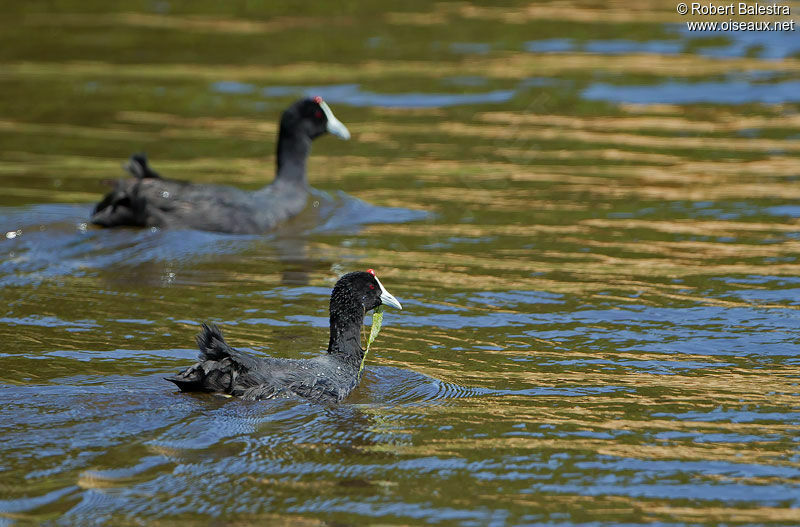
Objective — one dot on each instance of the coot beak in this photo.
(335, 126)
(386, 297)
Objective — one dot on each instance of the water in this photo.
(589, 214)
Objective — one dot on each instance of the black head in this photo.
(312, 117)
(361, 289)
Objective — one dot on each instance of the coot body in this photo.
(148, 200)
(327, 378)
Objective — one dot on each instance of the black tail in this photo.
(125, 205)
(219, 365)
(121, 206)
(212, 344)
(213, 347)
(137, 167)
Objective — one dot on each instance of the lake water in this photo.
(590, 215)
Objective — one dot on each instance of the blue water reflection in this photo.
(355, 95)
(734, 91)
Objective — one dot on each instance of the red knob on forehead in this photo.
(371, 271)
(318, 99)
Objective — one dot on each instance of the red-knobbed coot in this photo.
(148, 200)
(327, 378)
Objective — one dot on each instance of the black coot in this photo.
(327, 378)
(148, 200)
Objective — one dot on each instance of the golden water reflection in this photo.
(599, 304)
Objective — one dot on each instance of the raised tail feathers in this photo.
(212, 344)
(124, 205)
(213, 373)
(137, 167)
(219, 367)
(213, 347)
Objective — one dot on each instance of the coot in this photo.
(327, 378)
(148, 200)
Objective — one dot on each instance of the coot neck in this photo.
(293, 150)
(347, 320)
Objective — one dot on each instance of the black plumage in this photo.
(327, 378)
(148, 200)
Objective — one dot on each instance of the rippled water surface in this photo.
(589, 213)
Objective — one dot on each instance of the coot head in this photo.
(312, 117)
(362, 289)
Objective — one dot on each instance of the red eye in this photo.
(371, 286)
(318, 114)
